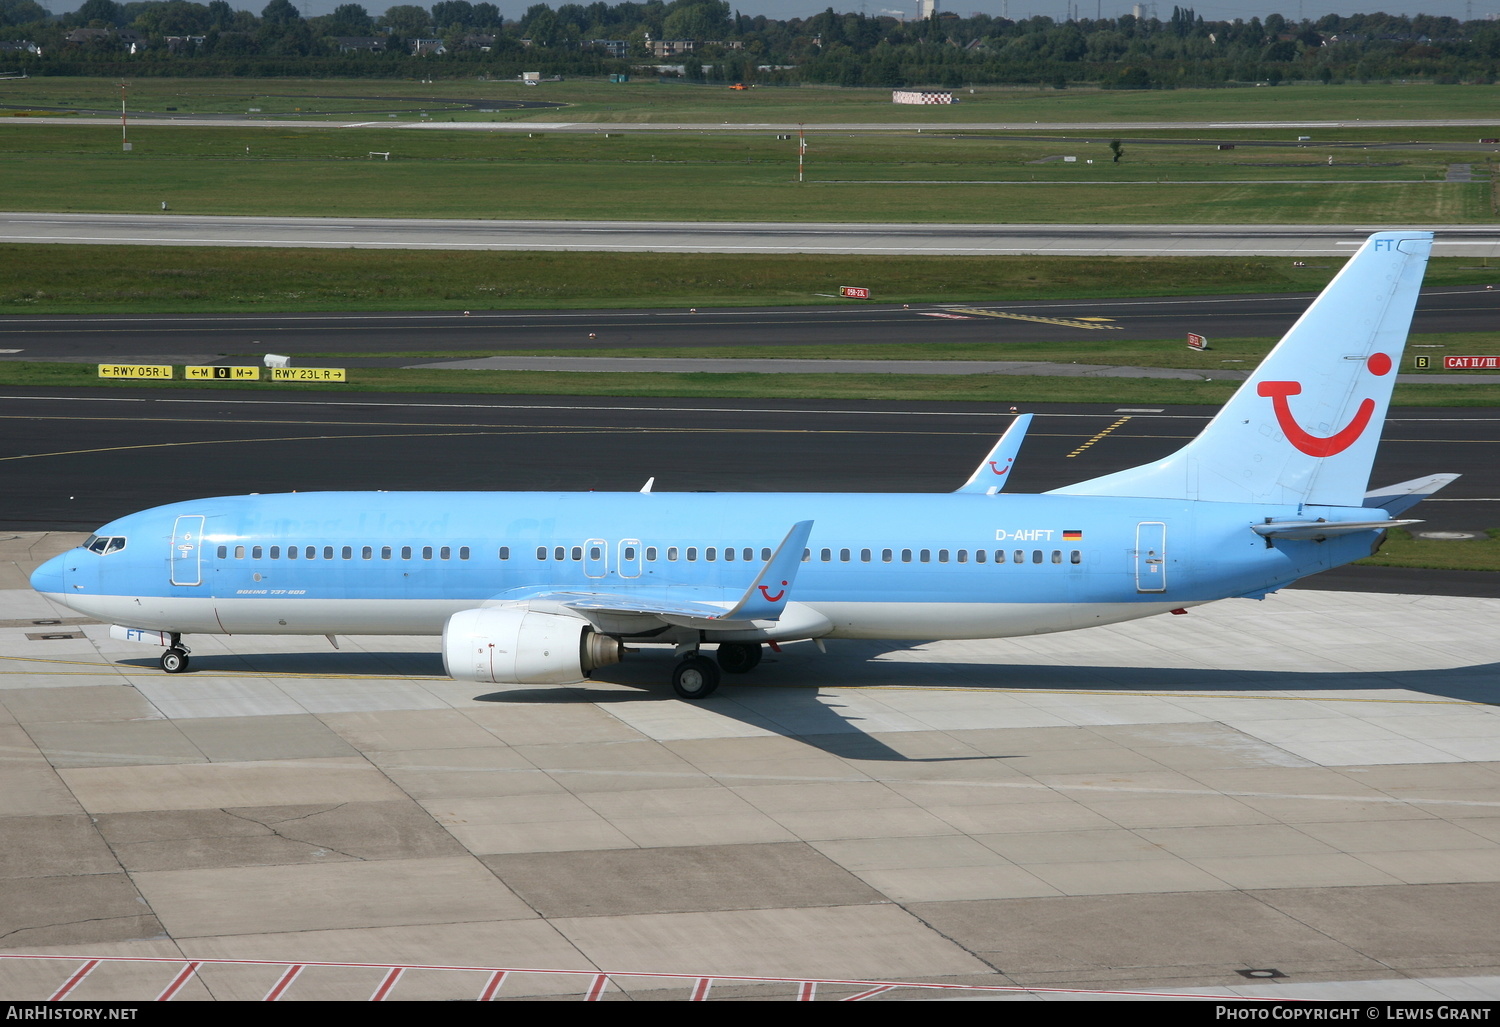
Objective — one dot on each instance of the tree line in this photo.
(459, 39)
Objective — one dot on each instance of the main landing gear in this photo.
(696, 676)
(175, 659)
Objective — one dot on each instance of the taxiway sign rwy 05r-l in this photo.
(538, 588)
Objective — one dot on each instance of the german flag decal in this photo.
(1072, 536)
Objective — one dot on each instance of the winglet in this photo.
(994, 470)
(767, 595)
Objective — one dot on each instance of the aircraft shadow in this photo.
(783, 695)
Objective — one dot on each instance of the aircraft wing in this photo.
(635, 611)
(994, 470)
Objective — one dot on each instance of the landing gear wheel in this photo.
(696, 677)
(738, 657)
(174, 661)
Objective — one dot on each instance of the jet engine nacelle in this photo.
(516, 646)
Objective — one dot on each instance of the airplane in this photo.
(547, 587)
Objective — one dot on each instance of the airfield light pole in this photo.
(801, 148)
(124, 137)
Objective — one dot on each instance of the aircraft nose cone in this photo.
(48, 578)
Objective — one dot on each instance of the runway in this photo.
(170, 229)
(400, 339)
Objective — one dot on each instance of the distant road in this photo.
(169, 229)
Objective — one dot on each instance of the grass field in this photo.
(1225, 353)
(49, 279)
(982, 388)
(715, 177)
(1403, 550)
(660, 102)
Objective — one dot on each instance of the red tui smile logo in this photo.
(1315, 445)
(766, 591)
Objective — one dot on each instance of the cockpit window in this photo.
(104, 543)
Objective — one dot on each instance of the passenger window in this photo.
(576, 553)
(445, 552)
(806, 555)
(827, 555)
(406, 552)
(886, 556)
(864, 556)
(906, 556)
(347, 553)
(672, 554)
(385, 552)
(843, 556)
(276, 552)
(979, 556)
(749, 554)
(541, 552)
(256, 552)
(463, 552)
(1036, 556)
(291, 552)
(692, 553)
(630, 552)
(926, 556)
(942, 556)
(239, 552)
(366, 552)
(650, 554)
(1019, 556)
(595, 553)
(223, 552)
(963, 556)
(765, 554)
(729, 553)
(557, 554)
(504, 553)
(427, 552)
(1057, 556)
(1076, 556)
(710, 554)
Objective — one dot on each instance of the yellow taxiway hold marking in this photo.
(1096, 438)
(1076, 322)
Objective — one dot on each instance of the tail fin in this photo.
(1304, 427)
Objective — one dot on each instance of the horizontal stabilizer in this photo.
(1317, 531)
(1397, 499)
(994, 470)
